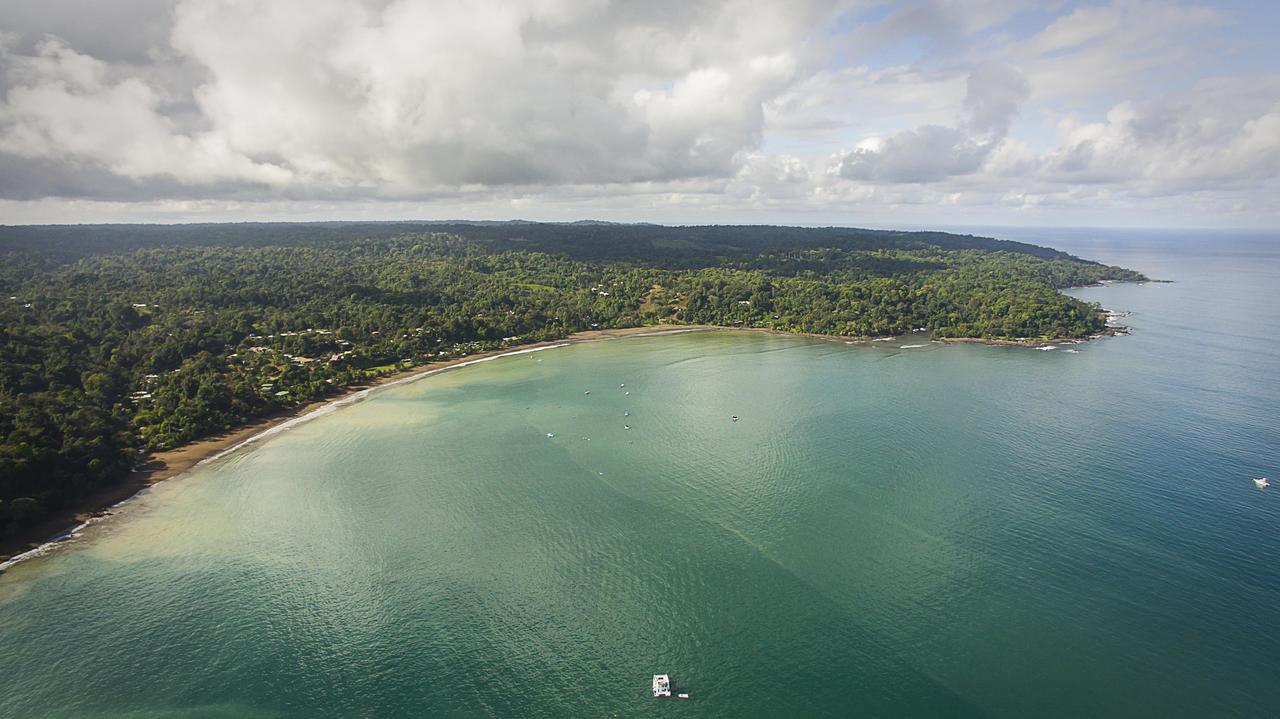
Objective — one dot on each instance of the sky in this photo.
(1130, 113)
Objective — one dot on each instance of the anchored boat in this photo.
(661, 685)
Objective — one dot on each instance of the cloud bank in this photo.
(660, 107)
(931, 152)
(347, 96)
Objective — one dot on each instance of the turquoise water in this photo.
(937, 531)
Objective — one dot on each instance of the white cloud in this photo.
(1222, 136)
(943, 26)
(662, 108)
(925, 154)
(995, 95)
(1117, 46)
(932, 152)
(863, 100)
(127, 32)
(403, 96)
(63, 105)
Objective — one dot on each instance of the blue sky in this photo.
(856, 112)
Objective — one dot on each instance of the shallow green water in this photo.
(958, 531)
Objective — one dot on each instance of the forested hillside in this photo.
(120, 339)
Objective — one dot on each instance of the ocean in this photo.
(961, 531)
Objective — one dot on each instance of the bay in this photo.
(933, 531)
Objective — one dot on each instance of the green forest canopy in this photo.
(117, 339)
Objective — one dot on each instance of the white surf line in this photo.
(43, 548)
(61, 538)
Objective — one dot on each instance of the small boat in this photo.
(550, 434)
(626, 426)
(627, 392)
(683, 696)
(626, 413)
(734, 418)
(661, 685)
(624, 384)
(587, 392)
(1262, 483)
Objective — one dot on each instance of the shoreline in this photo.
(1028, 342)
(60, 526)
(1111, 331)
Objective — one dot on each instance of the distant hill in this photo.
(684, 246)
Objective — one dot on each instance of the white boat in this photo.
(1262, 482)
(683, 696)
(661, 685)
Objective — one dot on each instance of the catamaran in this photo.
(661, 685)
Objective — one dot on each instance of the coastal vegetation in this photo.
(117, 340)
